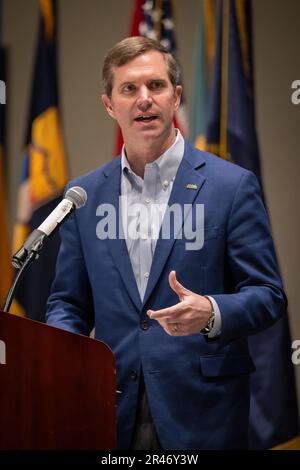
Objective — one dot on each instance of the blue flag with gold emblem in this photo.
(44, 170)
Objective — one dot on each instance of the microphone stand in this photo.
(32, 255)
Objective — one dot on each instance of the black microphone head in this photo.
(77, 195)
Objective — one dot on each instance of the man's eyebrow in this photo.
(153, 79)
(162, 80)
(130, 82)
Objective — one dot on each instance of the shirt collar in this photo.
(167, 163)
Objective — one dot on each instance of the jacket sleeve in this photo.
(70, 305)
(258, 299)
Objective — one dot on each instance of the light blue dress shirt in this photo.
(143, 204)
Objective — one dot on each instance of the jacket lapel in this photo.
(187, 185)
(111, 191)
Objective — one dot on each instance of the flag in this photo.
(5, 255)
(5, 264)
(154, 19)
(44, 170)
(231, 134)
(203, 60)
(231, 130)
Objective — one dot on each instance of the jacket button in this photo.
(133, 375)
(144, 325)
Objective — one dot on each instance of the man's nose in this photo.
(144, 100)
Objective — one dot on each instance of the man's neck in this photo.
(140, 153)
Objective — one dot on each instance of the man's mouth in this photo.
(144, 118)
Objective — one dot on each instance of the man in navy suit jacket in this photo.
(175, 300)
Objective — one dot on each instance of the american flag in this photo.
(154, 19)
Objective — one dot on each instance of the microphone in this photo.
(74, 198)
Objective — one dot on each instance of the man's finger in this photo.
(165, 313)
(176, 286)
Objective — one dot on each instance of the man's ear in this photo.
(177, 96)
(108, 105)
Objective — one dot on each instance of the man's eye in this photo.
(156, 85)
(128, 88)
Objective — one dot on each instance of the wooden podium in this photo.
(57, 389)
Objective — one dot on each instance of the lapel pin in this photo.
(191, 186)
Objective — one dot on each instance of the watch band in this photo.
(210, 323)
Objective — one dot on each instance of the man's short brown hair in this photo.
(128, 49)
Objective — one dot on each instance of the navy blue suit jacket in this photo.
(198, 388)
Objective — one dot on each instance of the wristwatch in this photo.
(210, 322)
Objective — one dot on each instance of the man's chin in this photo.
(147, 126)
(152, 132)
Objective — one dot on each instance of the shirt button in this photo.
(165, 183)
(144, 236)
(133, 374)
(147, 200)
(146, 275)
(144, 325)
